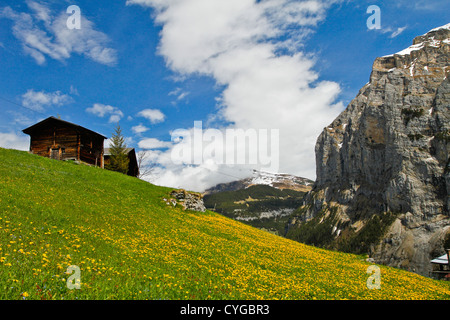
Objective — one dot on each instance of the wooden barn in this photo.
(61, 140)
(133, 167)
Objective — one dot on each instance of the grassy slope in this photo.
(130, 245)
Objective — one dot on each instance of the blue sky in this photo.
(156, 66)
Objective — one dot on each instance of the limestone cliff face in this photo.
(387, 156)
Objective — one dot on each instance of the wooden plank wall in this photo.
(91, 149)
(55, 137)
(83, 146)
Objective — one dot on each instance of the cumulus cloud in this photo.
(253, 49)
(153, 115)
(165, 156)
(153, 143)
(44, 34)
(101, 110)
(139, 129)
(194, 177)
(198, 158)
(37, 100)
(12, 140)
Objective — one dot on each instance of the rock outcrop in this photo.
(383, 171)
(188, 200)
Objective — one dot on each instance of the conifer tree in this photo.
(119, 159)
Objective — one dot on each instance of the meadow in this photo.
(128, 244)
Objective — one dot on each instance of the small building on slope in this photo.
(61, 140)
(133, 167)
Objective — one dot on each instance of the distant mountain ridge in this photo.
(277, 180)
(264, 200)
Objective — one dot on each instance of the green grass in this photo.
(129, 244)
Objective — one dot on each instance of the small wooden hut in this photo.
(61, 140)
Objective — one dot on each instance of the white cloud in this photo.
(44, 35)
(427, 5)
(199, 177)
(114, 118)
(101, 110)
(199, 158)
(37, 100)
(393, 32)
(139, 129)
(192, 178)
(74, 90)
(397, 32)
(153, 143)
(268, 81)
(154, 115)
(20, 118)
(14, 140)
(179, 93)
(41, 12)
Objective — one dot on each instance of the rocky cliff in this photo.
(383, 172)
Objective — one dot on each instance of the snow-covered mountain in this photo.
(277, 180)
(427, 39)
(280, 181)
(263, 200)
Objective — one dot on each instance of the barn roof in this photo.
(47, 121)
